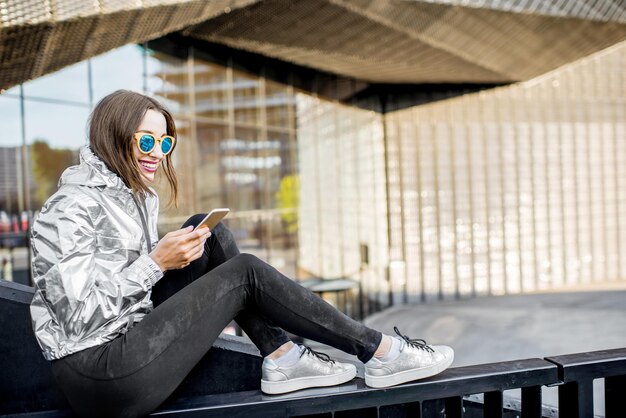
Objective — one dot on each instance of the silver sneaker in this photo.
(417, 360)
(312, 369)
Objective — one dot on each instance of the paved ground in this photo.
(492, 329)
(512, 327)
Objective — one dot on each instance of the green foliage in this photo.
(288, 200)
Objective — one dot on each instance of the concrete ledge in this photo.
(27, 384)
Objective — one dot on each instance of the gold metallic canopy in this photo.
(38, 37)
(393, 41)
(387, 41)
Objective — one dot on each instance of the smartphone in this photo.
(213, 218)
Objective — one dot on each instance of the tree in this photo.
(288, 200)
(47, 166)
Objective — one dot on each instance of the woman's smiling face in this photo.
(154, 123)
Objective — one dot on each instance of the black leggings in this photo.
(133, 374)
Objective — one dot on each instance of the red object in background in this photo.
(14, 223)
(24, 223)
(5, 222)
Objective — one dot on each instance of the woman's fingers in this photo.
(197, 235)
(191, 251)
(179, 248)
(181, 232)
(199, 252)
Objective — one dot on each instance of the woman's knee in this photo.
(222, 230)
(249, 261)
(194, 220)
(226, 239)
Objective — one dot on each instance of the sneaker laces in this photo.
(322, 356)
(417, 343)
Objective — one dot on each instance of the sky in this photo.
(63, 125)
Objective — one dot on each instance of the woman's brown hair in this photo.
(112, 124)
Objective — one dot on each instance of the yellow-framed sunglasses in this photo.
(146, 142)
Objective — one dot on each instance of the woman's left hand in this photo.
(177, 249)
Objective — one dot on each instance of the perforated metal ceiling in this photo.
(390, 41)
(394, 41)
(601, 10)
(38, 37)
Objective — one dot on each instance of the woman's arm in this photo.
(86, 284)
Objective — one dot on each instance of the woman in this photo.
(123, 316)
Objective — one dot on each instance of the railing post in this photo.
(614, 394)
(493, 404)
(576, 399)
(454, 407)
(432, 408)
(578, 372)
(531, 402)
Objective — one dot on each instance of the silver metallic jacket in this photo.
(90, 265)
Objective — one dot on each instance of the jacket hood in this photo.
(91, 172)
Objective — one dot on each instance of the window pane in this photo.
(9, 157)
(62, 126)
(70, 84)
(121, 68)
(10, 120)
(169, 82)
(54, 134)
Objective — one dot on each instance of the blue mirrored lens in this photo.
(146, 143)
(166, 145)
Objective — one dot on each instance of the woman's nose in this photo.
(157, 152)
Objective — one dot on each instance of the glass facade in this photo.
(237, 149)
(514, 189)
(343, 204)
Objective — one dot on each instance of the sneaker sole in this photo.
(407, 375)
(275, 388)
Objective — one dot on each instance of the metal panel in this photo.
(38, 37)
(419, 41)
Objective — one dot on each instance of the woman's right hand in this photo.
(177, 249)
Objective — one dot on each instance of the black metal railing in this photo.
(442, 395)
(577, 373)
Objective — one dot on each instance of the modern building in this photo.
(425, 149)
(11, 186)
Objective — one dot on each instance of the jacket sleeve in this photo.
(86, 285)
(153, 208)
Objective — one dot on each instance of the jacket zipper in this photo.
(144, 223)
